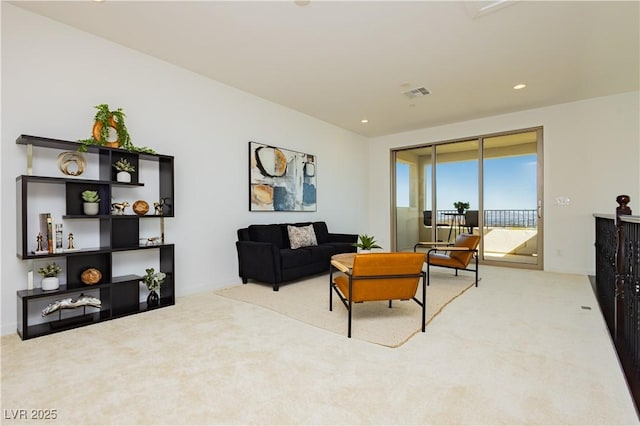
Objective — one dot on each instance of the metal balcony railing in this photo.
(505, 218)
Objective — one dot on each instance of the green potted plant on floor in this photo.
(366, 243)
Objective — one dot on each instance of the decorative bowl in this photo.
(140, 207)
(91, 276)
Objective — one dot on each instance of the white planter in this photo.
(364, 251)
(91, 209)
(123, 177)
(50, 283)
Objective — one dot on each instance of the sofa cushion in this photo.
(343, 247)
(295, 258)
(322, 253)
(301, 236)
(322, 233)
(266, 234)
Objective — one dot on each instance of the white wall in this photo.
(53, 75)
(591, 155)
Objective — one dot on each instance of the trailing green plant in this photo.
(123, 165)
(108, 119)
(50, 270)
(90, 196)
(461, 205)
(367, 242)
(153, 280)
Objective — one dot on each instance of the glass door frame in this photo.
(539, 191)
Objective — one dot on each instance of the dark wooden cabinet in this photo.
(114, 233)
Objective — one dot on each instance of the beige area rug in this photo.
(308, 301)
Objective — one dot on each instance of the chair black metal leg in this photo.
(389, 303)
(476, 271)
(424, 303)
(350, 304)
(349, 328)
(330, 289)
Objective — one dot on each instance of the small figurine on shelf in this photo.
(159, 206)
(71, 247)
(118, 208)
(39, 239)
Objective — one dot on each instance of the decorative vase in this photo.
(50, 283)
(97, 129)
(123, 177)
(153, 299)
(460, 210)
(364, 251)
(91, 209)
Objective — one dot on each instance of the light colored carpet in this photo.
(308, 301)
(520, 349)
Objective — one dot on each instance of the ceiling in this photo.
(342, 62)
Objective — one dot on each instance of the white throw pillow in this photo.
(302, 236)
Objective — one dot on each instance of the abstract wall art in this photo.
(281, 179)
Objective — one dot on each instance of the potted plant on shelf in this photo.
(461, 206)
(153, 280)
(124, 168)
(366, 243)
(91, 203)
(106, 122)
(50, 280)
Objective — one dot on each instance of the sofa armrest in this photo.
(343, 238)
(259, 261)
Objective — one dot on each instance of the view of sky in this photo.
(509, 183)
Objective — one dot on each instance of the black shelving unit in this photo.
(119, 295)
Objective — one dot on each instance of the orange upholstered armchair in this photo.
(376, 277)
(456, 256)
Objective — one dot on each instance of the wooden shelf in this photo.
(119, 295)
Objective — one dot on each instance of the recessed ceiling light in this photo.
(364, 121)
(302, 2)
(519, 86)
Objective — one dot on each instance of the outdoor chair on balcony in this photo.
(427, 216)
(471, 220)
(377, 277)
(456, 256)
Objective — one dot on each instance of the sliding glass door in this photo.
(512, 198)
(489, 185)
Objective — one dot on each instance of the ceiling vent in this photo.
(416, 93)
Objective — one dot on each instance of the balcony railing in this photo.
(505, 218)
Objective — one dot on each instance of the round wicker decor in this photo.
(91, 276)
(140, 207)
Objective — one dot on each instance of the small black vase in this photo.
(153, 299)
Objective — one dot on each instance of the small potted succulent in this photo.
(91, 203)
(153, 280)
(366, 243)
(124, 168)
(461, 206)
(50, 280)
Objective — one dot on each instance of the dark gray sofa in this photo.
(265, 254)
